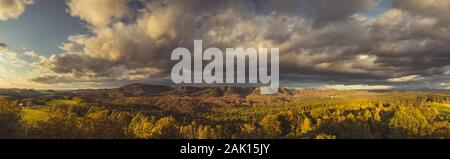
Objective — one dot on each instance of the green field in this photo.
(62, 102)
(41, 113)
(443, 109)
(33, 115)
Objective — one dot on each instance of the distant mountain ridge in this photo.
(138, 89)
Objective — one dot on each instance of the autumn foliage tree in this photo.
(10, 119)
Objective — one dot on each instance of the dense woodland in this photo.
(305, 114)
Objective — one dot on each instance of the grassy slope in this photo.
(32, 115)
(41, 113)
(444, 109)
(62, 102)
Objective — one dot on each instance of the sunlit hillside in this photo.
(153, 112)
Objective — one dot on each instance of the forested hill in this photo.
(148, 112)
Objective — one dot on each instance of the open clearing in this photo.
(41, 113)
(33, 115)
(444, 109)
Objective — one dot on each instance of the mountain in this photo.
(226, 91)
(137, 90)
(214, 91)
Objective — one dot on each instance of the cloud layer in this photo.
(11, 9)
(332, 43)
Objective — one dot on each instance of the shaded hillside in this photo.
(137, 90)
(142, 90)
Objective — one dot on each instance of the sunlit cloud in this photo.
(405, 78)
(11, 9)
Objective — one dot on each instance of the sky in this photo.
(340, 44)
(42, 27)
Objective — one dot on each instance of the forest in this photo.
(293, 114)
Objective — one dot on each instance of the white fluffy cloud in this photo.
(10, 9)
(99, 12)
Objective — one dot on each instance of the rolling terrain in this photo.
(150, 111)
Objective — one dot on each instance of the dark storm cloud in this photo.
(53, 80)
(322, 12)
(321, 42)
(78, 64)
(438, 9)
(326, 11)
(3, 46)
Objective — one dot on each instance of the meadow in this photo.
(40, 113)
